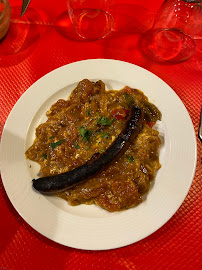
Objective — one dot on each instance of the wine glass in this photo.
(176, 26)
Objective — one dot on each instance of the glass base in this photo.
(168, 45)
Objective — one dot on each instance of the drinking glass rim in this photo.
(193, 1)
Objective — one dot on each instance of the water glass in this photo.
(176, 26)
(91, 19)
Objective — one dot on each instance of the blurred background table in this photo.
(43, 40)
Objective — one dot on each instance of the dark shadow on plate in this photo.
(10, 226)
(15, 220)
(22, 37)
(1, 127)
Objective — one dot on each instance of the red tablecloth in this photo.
(42, 40)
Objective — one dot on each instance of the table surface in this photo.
(43, 40)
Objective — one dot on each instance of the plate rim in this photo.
(29, 90)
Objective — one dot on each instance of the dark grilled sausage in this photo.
(62, 182)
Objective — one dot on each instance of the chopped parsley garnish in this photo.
(76, 145)
(104, 121)
(130, 158)
(85, 133)
(105, 135)
(52, 137)
(55, 144)
(88, 112)
(44, 156)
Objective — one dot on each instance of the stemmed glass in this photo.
(176, 26)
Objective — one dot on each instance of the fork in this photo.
(200, 127)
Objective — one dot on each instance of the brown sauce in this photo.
(87, 123)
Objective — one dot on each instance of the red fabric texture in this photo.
(42, 40)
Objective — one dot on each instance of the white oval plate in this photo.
(88, 226)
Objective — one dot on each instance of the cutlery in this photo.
(200, 127)
(25, 5)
